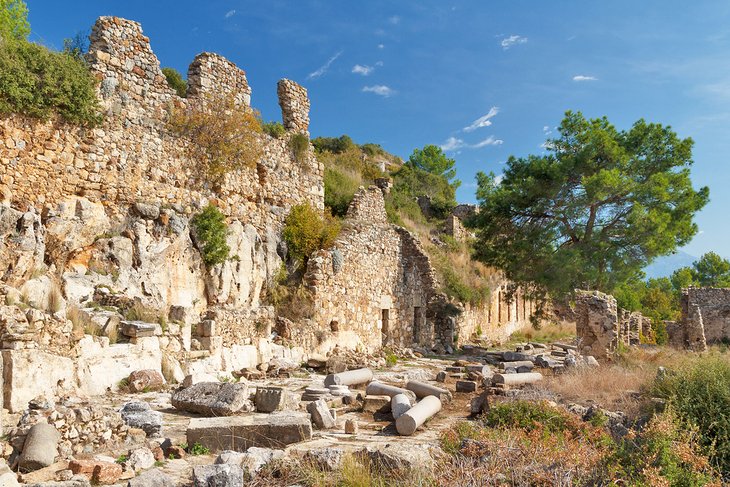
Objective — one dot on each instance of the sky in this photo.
(482, 79)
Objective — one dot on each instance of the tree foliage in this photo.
(176, 81)
(432, 160)
(211, 231)
(223, 135)
(594, 211)
(14, 20)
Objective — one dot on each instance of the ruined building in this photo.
(95, 227)
(705, 319)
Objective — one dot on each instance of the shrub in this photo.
(699, 393)
(223, 135)
(299, 145)
(666, 452)
(274, 129)
(340, 187)
(293, 302)
(38, 82)
(306, 231)
(198, 449)
(335, 145)
(210, 231)
(176, 81)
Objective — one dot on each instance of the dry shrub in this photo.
(547, 333)
(223, 135)
(82, 323)
(294, 302)
(610, 386)
(354, 471)
(140, 312)
(55, 299)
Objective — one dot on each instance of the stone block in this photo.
(270, 399)
(222, 475)
(321, 416)
(376, 404)
(152, 478)
(213, 398)
(238, 433)
(206, 328)
(30, 373)
(137, 329)
(40, 448)
(466, 386)
(145, 380)
(138, 414)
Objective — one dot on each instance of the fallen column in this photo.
(399, 404)
(380, 389)
(422, 390)
(564, 346)
(349, 378)
(517, 364)
(40, 448)
(517, 379)
(409, 421)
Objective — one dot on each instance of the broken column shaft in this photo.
(517, 379)
(349, 378)
(409, 421)
(422, 390)
(399, 404)
(380, 389)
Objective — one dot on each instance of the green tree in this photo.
(711, 270)
(683, 278)
(306, 231)
(14, 20)
(594, 211)
(433, 160)
(176, 81)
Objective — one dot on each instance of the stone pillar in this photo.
(294, 104)
(214, 75)
(694, 330)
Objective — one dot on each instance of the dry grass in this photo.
(82, 324)
(548, 333)
(55, 299)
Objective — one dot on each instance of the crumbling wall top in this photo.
(368, 205)
(294, 104)
(211, 73)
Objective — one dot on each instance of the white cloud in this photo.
(381, 46)
(482, 121)
(363, 70)
(230, 14)
(395, 20)
(454, 143)
(323, 69)
(499, 179)
(546, 130)
(488, 141)
(581, 77)
(381, 90)
(510, 41)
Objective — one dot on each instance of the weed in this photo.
(121, 459)
(299, 145)
(198, 449)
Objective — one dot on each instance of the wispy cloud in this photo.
(581, 77)
(381, 46)
(230, 14)
(454, 143)
(395, 20)
(546, 130)
(323, 69)
(488, 141)
(363, 70)
(382, 90)
(510, 41)
(482, 121)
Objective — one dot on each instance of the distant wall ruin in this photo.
(705, 318)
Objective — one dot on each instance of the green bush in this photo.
(529, 416)
(274, 129)
(176, 81)
(699, 392)
(339, 188)
(299, 145)
(335, 145)
(306, 231)
(211, 231)
(14, 20)
(38, 82)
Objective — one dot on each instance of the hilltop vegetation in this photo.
(427, 173)
(39, 82)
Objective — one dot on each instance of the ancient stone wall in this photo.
(455, 228)
(294, 104)
(133, 157)
(597, 323)
(375, 281)
(710, 321)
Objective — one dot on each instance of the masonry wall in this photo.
(712, 314)
(375, 281)
(498, 318)
(132, 157)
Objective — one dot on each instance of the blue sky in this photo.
(485, 79)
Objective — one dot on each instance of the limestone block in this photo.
(138, 414)
(238, 433)
(213, 398)
(40, 448)
(137, 329)
(224, 475)
(30, 373)
(320, 413)
(270, 399)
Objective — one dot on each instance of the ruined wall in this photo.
(375, 281)
(132, 157)
(713, 311)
